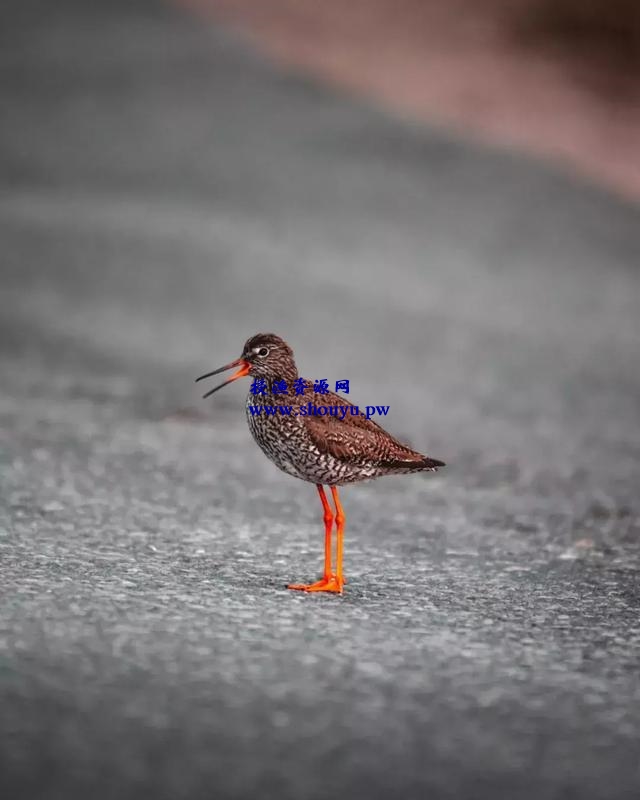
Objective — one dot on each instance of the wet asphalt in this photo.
(166, 194)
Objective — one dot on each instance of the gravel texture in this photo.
(166, 195)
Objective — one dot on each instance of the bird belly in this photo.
(285, 441)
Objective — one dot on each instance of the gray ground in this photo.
(166, 195)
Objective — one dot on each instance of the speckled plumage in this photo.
(322, 449)
(326, 449)
(330, 449)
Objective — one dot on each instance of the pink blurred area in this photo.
(559, 79)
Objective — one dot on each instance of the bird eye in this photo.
(263, 351)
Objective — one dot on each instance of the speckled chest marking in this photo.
(284, 439)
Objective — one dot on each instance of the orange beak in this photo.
(241, 373)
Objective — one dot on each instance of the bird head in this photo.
(264, 355)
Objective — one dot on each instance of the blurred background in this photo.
(438, 202)
(557, 79)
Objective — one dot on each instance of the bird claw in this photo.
(329, 584)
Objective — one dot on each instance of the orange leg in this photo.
(329, 582)
(340, 520)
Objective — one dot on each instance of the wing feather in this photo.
(356, 439)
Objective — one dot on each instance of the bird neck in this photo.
(288, 374)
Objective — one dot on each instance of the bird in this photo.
(326, 450)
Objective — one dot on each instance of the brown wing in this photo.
(356, 439)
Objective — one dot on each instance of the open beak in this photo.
(241, 373)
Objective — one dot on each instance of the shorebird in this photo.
(323, 450)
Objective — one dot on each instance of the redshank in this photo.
(324, 450)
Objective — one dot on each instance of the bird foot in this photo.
(332, 583)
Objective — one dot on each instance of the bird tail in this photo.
(434, 463)
(431, 463)
(418, 465)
